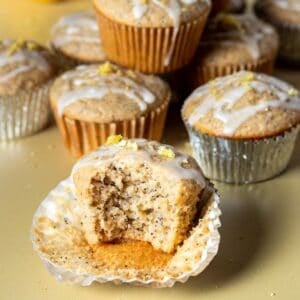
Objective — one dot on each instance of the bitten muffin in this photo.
(133, 211)
(93, 102)
(75, 39)
(138, 190)
(243, 127)
(232, 43)
(284, 15)
(151, 36)
(25, 71)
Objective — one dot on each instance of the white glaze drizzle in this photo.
(233, 119)
(71, 26)
(253, 33)
(145, 152)
(173, 9)
(30, 58)
(101, 87)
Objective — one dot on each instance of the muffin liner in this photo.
(145, 49)
(25, 113)
(69, 260)
(242, 161)
(200, 75)
(289, 35)
(81, 137)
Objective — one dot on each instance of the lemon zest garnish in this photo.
(293, 92)
(129, 144)
(144, 2)
(166, 152)
(230, 20)
(16, 46)
(249, 76)
(105, 69)
(113, 139)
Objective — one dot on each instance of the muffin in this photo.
(232, 43)
(75, 40)
(26, 68)
(284, 15)
(243, 126)
(235, 6)
(133, 211)
(93, 102)
(151, 36)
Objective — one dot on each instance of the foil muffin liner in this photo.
(289, 35)
(69, 259)
(146, 48)
(200, 75)
(242, 161)
(25, 113)
(81, 137)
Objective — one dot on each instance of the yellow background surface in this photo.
(259, 252)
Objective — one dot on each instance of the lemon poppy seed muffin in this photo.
(138, 190)
(232, 43)
(24, 65)
(151, 36)
(246, 122)
(26, 69)
(76, 37)
(99, 100)
(284, 15)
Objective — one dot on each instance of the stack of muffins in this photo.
(135, 193)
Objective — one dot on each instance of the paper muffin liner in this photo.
(25, 113)
(289, 35)
(200, 75)
(57, 237)
(81, 137)
(145, 49)
(242, 161)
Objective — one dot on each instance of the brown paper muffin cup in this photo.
(145, 49)
(25, 113)
(243, 161)
(289, 35)
(200, 75)
(81, 137)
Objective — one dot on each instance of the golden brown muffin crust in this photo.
(24, 65)
(107, 93)
(236, 40)
(243, 106)
(155, 15)
(77, 36)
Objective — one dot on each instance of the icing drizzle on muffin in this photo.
(95, 83)
(20, 57)
(222, 104)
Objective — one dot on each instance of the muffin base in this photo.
(289, 35)
(145, 49)
(68, 257)
(25, 113)
(81, 137)
(201, 75)
(243, 161)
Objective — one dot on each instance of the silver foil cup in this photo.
(25, 113)
(289, 35)
(242, 161)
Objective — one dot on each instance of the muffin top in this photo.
(153, 13)
(107, 93)
(178, 165)
(236, 39)
(77, 36)
(282, 10)
(244, 105)
(24, 65)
